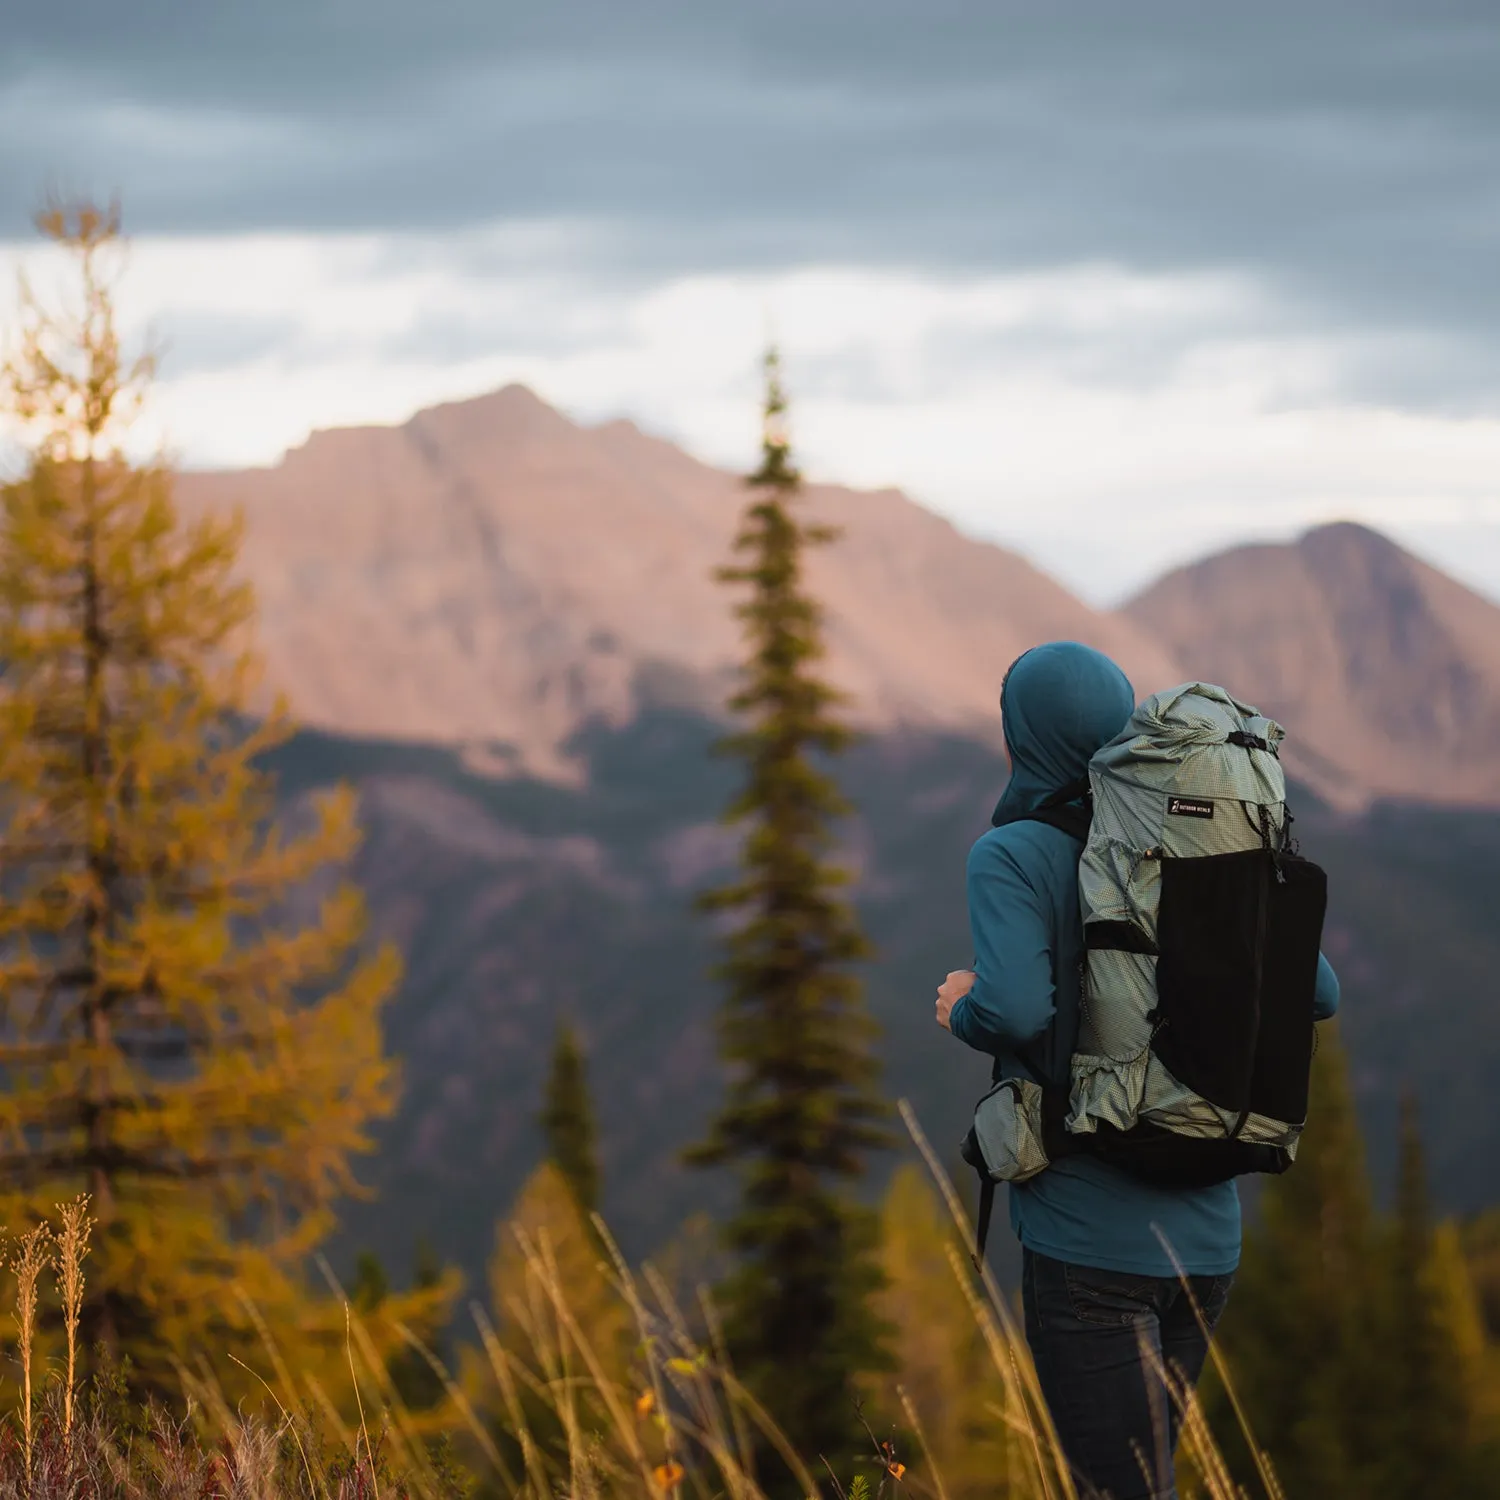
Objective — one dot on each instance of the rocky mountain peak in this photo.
(1385, 671)
(491, 573)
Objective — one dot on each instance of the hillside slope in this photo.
(520, 901)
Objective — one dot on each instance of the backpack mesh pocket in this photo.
(1236, 976)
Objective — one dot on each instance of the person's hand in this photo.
(950, 992)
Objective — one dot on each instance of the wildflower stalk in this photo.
(28, 1264)
(72, 1248)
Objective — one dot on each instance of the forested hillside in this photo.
(518, 901)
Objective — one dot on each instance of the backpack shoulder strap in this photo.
(1070, 808)
(986, 1212)
(1072, 819)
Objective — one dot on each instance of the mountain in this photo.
(494, 576)
(502, 628)
(1385, 671)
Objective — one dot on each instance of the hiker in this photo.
(1109, 1260)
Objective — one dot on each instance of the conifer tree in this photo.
(568, 1120)
(1301, 1342)
(1430, 1433)
(1477, 1358)
(1357, 1343)
(187, 1032)
(371, 1285)
(802, 1110)
(418, 1384)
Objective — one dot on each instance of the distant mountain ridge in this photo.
(1386, 671)
(492, 576)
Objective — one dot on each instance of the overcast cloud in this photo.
(1281, 210)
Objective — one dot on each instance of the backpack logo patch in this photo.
(1190, 807)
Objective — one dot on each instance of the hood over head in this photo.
(1061, 703)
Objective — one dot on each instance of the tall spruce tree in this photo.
(1354, 1339)
(187, 1033)
(802, 1110)
(1300, 1336)
(1430, 1435)
(568, 1120)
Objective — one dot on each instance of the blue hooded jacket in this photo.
(1061, 703)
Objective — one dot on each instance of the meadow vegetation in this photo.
(590, 1379)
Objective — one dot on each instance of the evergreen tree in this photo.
(371, 1284)
(1477, 1356)
(189, 1035)
(1480, 1240)
(1429, 1437)
(568, 1120)
(417, 1383)
(1302, 1346)
(802, 1108)
(1357, 1344)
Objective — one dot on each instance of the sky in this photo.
(1112, 284)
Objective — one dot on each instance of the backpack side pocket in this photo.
(1008, 1129)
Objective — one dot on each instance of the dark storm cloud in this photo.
(1344, 153)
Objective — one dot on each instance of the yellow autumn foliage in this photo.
(552, 1291)
(943, 1365)
(189, 1020)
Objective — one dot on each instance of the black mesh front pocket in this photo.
(1210, 937)
(1294, 934)
(1236, 977)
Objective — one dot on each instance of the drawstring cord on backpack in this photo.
(1262, 824)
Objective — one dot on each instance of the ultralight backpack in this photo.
(1188, 1050)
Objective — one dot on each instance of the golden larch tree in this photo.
(189, 1021)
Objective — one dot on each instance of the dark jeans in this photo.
(1086, 1328)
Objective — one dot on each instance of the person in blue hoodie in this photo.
(1098, 1246)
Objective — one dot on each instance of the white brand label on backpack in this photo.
(1190, 807)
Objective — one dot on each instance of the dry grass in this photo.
(72, 1250)
(33, 1255)
(544, 1413)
